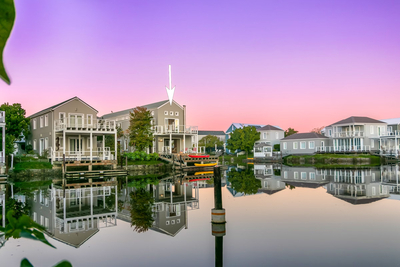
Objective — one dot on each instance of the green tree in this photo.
(7, 18)
(243, 139)
(141, 210)
(290, 131)
(210, 141)
(16, 124)
(244, 181)
(140, 133)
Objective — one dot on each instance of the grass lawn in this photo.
(32, 165)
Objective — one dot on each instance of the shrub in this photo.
(277, 147)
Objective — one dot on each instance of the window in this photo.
(371, 129)
(41, 122)
(285, 174)
(295, 145)
(330, 132)
(284, 145)
(172, 221)
(390, 129)
(311, 145)
(46, 222)
(61, 116)
(166, 113)
(372, 143)
(303, 176)
(178, 220)
(46, 120)
(88, 142)
(276, 135)
(265, 135)
(152, 113)
(171, 113)
(41, 220)
(176, 113)
(89, 119)
(296, 175)
(373, 177)
(46, 143)
(34, 217)
(167, 222)
(34, 144)
(302, 145)
(34, 124)
(373, 191)
(312, 175)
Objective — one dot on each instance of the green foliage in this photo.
(16, 122)
(277, 147)
(29, 149)
(141, 210)
(290, 131)
(243, 139)
(25, 227)
(210, 141)
(7, 18)
(26, 263)
(141, 156)
(140, 133)
(143, 182)
(32, 165)
(19, 208)
(244, 181)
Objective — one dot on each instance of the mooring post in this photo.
(218, 228)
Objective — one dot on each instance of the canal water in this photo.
(276, 216)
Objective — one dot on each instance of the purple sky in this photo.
(300, 64)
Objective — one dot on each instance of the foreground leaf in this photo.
(26, 263)
(7, 18)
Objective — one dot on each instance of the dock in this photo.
(187, 163)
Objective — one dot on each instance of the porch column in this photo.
(184, 141)
(103, 145)
(396, 146)
(116, 144)
(4, 145)
(170, 191)
(197, 143)
(116, 200)
(170, 143)
(64, 146)
(380, 146)
(184, 192)
(53, 146)
(91, 201)
(80, 147)
(65, 209)
(91, 146)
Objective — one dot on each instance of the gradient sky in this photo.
(299, 64)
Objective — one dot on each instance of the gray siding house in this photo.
(71, 128)
(272, 134)
(354, 134)
(171, 134)
(390, 140)
(308, 177)
(303, 143)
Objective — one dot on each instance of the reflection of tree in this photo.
(244, 181)
(141, 210)
(290, 186)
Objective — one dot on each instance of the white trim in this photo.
(173, 101)
(303, 143)
(77, 98)
(297, 145)
(41, 121)
(284, 145)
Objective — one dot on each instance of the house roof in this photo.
(269, 127)
(127, 111)
(211, 133)
(392, 121)
(306, 185)
(311, 135)
(59, 104)
(358, 201)
(241, 125)
(355, 119)
(269, 191)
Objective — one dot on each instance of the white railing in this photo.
(181, 129)
(2, 157)
(100, 154)
(342, 148)
(348, 134)
(82, 124)
(395, 133)
(2, 116)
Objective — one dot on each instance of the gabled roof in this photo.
(148, 106)
(311, 135)
(354, 119)
(269, 191)
(358, 201)
(269, 127)
(392, 121)
(211, 133)
(60, 104)
(241, 125)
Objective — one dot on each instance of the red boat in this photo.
(199, 156)
(203, 179)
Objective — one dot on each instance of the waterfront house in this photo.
(354, 134)
(269, 136)
(302, 143)
(357, 186)
(308, 177)
(171, 134)
(270, 183)
(71, 129)
(235, 126)
(390, 140)
(3, 138)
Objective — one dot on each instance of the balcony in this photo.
(172, 129)
(389, 134)
(2, 117)
(348, 134)
(72, 124)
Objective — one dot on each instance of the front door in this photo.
(75, 120)
(41, 146)
(75, 146)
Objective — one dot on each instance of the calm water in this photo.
(276, 216)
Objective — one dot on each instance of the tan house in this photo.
(71, 128)
(171, 134)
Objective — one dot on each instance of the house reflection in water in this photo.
(390, 176)
(74, 214)
(358, 186)
(173, 198)
(270, 183)
(308, 177)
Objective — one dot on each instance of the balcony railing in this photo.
(172, 129)
(395, 133)
(343, 148)
(2, 116)
(348, 134)
(82, 124)
(100, 154)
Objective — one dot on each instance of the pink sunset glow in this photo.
(299, 64)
